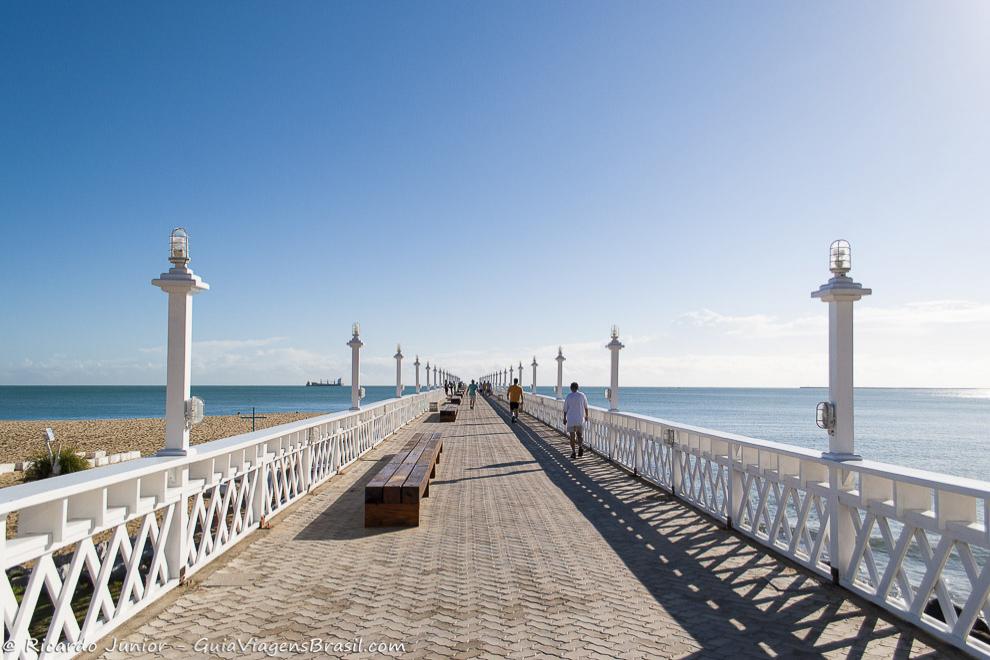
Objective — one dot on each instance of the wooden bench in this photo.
(393, 496)
(448, 412)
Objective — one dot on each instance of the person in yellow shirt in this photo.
(515, 394)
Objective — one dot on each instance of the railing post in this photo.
(842, 532)
(675, 462)
(640, 459)
(176, 538)
(735, 488)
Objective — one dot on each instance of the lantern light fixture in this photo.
(178, 247)
(840, 257)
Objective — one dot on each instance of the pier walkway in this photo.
(520, 552)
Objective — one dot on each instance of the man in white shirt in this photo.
(575, 415)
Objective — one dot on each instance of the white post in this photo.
(416, 364)
(840, 293)
(398, 370)
(355, 343)
(427, 375)
(614, 346)
(560, 372)
(534, 374)
(512, 373)
(520, 374)
(436, 382)
(181, 284)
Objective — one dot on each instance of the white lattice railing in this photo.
(914, 542)
(93, 548)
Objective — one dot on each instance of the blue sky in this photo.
(485, 181)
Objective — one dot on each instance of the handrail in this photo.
(144, 526)
(912, 541)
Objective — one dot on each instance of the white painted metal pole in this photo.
(181, 284)
(614, 346)
(560, 372)
(398, 371)
(534, 374)
(427, 375)
(416, 364)
(840, 292)
(355, 343)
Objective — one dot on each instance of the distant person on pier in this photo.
(472, 392)
(575, 415)
(515, 394)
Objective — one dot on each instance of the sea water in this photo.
(943, 430)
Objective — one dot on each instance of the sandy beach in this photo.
(21, 439)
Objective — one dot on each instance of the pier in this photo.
(519, 551)
(664, 540)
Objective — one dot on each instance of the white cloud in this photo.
(925, 343)
(757, 325)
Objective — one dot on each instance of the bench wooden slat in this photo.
(401, 485)
(373, 489)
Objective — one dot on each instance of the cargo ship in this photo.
(324, 383)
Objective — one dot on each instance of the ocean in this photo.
(944, 430)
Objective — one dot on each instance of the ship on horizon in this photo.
(324, 383)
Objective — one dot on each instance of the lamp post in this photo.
(836, 414)
(398, 370)
(416, 364)
(512, 373)
(181, 284)
(560, 372)
(613, 391)
(520, 373)
(534, 374)
(436, 383)
(427, 374)
(355, 343)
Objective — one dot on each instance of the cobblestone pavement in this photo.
(520, 552)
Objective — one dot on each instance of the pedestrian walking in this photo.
(575, 415)
(515, 394)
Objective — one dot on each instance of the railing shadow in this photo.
(344, 518)
(730, 594)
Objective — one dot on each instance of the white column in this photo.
(560, 372)
(512, 373)
(355, 343)
(436, 382)
(427, 375)
(534, 374)
(520, 374)
(614, 346)
(416, 364)
(398, 370)
(181, 284)
(840, 292)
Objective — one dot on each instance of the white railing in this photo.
(93, 548)
(914, 542)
